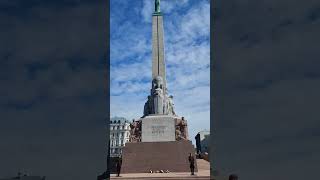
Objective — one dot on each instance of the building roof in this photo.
(119, 120)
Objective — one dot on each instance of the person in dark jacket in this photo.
(191, 162)
(118, 166)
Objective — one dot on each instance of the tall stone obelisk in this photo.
(159, 122)
(159, 102)
(158, 61)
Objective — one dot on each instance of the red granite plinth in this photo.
(144, 156)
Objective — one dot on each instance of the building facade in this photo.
(202, 141)
(119, 135)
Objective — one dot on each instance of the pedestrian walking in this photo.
(118, 166)
(191, 162)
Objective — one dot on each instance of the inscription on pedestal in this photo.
(158, 128)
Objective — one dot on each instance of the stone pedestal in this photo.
(158, 128)
(145, 156)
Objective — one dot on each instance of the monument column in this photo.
(158, 62)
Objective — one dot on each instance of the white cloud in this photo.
(169, 6)
(147, 9)
(131, 72)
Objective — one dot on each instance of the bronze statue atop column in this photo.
(157, 6)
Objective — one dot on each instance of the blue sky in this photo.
(187, 55)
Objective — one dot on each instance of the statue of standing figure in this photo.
(135, 132)
(181, 129)
(171, 106)
(159, 102)
(157, 6)
(158, 96)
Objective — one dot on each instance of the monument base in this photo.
(145, 156)
(158, 128)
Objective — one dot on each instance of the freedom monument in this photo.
(159, 139)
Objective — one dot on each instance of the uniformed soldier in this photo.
(118, 166)
(191, 161)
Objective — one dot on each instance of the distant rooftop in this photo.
(116, 119)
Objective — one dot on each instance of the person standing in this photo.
(118, 166)
(191, 162)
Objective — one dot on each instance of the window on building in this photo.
(122, 134)
(121, 142)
